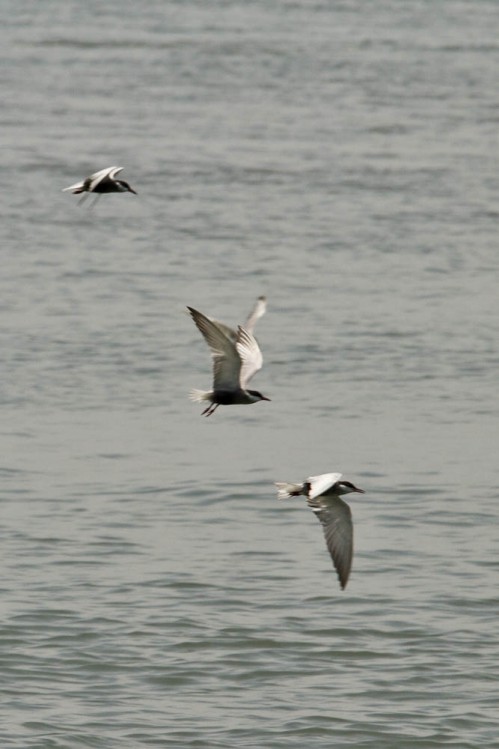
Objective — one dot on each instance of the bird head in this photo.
(126, 187)
(257, 396)
(346, 487)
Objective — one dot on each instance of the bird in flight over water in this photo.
(236, 358)
(99, 183)
(323, 497)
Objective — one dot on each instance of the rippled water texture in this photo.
(340, 158)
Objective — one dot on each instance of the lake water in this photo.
(341, 158)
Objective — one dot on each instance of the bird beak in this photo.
(132, 190)
(360, 491)
(264, 398)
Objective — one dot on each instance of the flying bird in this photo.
(235, 361)
(323, 497)
(100, 182)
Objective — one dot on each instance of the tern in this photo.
(235, 361)
(323, 497)
(100, 182)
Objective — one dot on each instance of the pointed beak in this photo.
(359, 491)
(264, 398)
(132, 190)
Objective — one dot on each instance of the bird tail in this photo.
(200, 395)
(285, 490)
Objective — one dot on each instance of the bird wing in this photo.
(255, 314)
(251, 356)
(226, 360)
(336, 519)
(98, 177)
(114, 170)
(320, 484)
(226, 330)
(76, 186)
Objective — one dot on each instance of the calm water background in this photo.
(341, 158)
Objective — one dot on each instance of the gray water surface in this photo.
(342, 159)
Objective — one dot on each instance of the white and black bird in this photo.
(323, 497)
(100, 182)
(236, 358)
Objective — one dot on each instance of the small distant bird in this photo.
(100, 182)
(323, 497)
(236, 358)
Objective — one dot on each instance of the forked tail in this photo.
(285, 490)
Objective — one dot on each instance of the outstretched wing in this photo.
(78, 186)
(98, 177)
(320, 484)
(255, 314)
(226, 360)
(250, 354)
(226, 330)
(336, 519)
